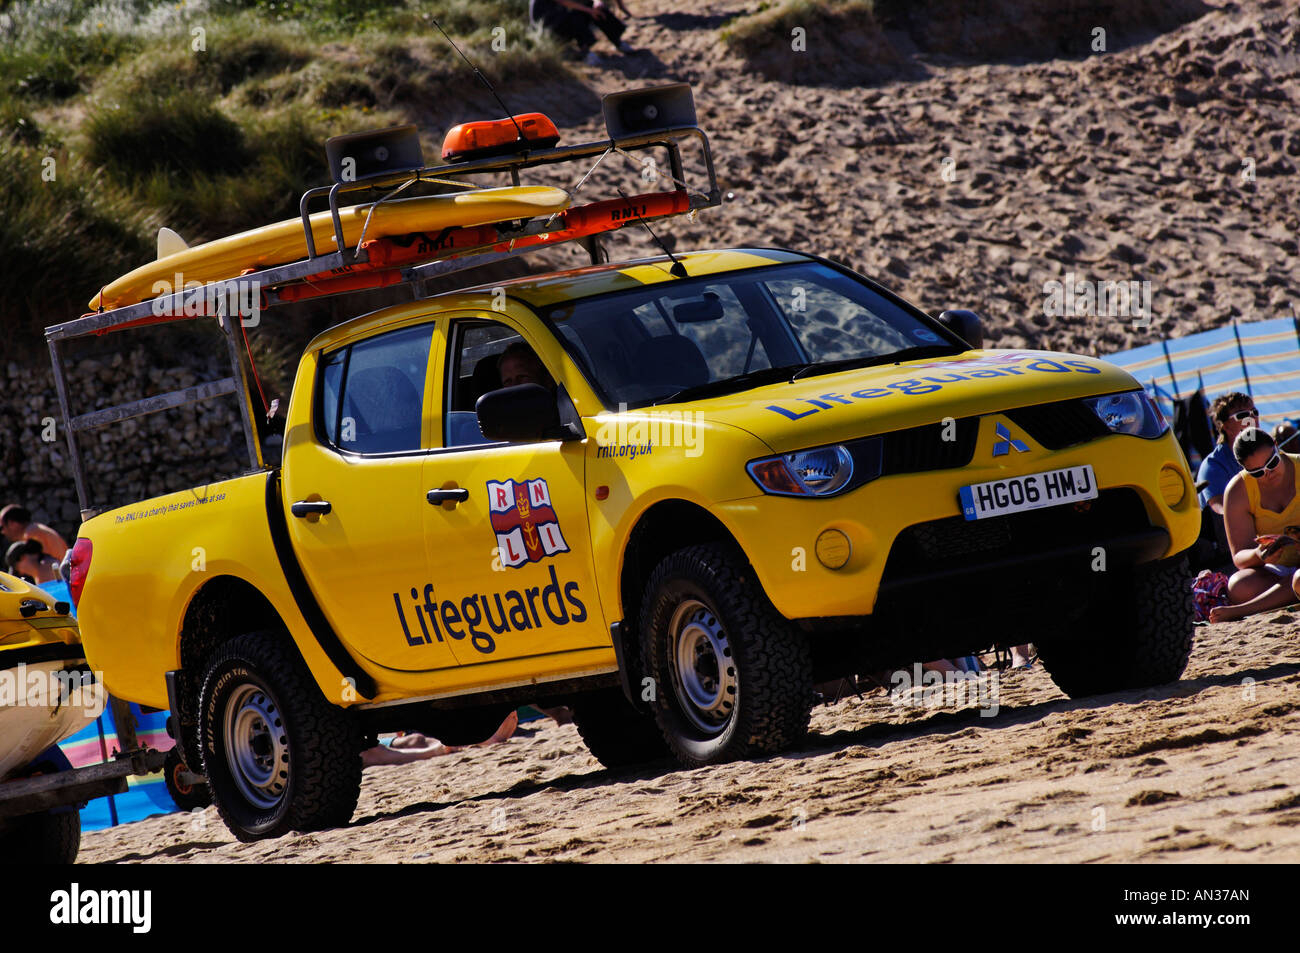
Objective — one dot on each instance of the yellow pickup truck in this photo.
(674, 493)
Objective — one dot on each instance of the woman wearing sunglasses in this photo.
(1231, 413)
(1263, 500)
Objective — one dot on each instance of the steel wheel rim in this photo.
(257, 748)
(703, 669)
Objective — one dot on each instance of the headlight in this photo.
(823, 471)
(1131, 413)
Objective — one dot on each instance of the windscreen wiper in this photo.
(849, 363)
(766, 375)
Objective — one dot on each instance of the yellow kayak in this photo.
(285, 241)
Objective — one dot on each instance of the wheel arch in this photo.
(219, 610)
(665, 527)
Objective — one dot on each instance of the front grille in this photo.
(1061, 424)
(951, 445)
(919, 449)
(958, 543)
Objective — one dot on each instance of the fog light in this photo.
(1172, 486)
(833, 549)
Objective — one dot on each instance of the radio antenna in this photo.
(479, 73)
(678, 270)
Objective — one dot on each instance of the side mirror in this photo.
(521, 413)
(967, 325)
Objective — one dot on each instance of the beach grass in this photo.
(208, 116)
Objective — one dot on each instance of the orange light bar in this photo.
(494, 137)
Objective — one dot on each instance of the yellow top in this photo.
(1269, 522)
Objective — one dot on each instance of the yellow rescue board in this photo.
(285, 241)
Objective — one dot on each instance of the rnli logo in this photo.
(524, 521)
(1005, 442)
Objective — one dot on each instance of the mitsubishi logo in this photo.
(1005, 442)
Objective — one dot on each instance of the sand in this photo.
(1201, 770)
(1122, 166)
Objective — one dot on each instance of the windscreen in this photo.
(691, 336)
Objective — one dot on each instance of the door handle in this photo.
(304, 508)
(453, 496)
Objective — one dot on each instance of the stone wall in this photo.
(128, 461)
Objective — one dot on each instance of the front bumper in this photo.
(1131, 523)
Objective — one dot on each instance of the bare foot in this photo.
(504, 732)
(1226, 613)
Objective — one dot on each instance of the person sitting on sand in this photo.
(1262, 500)
(16, 524)
(1285, 435)
(573, 20)
(406, 748)
(1231, 413)
(28, 561)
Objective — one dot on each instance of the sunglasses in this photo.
(1245, 415)
(1272, 463)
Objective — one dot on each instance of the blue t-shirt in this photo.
(1217, 470)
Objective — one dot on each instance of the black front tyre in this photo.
(733, 678)
(277, 755)
(616, 734)
(1141, 638)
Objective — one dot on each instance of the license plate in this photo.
(1033, 491)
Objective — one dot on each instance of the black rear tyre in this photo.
(277, 755)
(733, 678)
(616, 734)
(1141, 638)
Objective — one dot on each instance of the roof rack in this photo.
(636, 120)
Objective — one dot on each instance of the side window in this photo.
(484, 356)
(372, 392)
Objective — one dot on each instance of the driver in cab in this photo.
(518, 364)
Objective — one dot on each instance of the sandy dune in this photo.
(1129, 165)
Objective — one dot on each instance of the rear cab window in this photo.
(372, 392)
